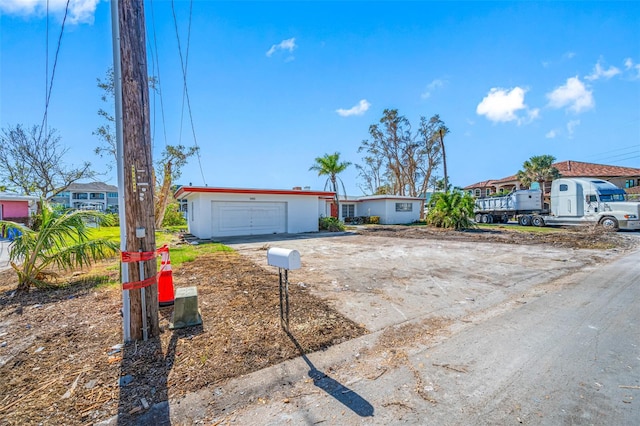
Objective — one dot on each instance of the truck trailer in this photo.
(574, 201)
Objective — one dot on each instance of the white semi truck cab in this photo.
(591, 200)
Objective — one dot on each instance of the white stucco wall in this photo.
(386, 209)
(302, 211)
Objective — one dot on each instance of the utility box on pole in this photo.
(137, 169)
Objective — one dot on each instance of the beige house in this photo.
(627, 178)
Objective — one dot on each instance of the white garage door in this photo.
(231, 218)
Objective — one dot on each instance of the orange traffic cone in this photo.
(165, 278)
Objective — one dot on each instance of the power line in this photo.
(53, 71)
(156, 62)
(184, 79)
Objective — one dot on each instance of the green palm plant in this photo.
(61, 241)
(330, 165)
(538, 169)
(451, 210)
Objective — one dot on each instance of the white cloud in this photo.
(359, 109)
(571, 126)
(573, 94)
(501, 105)
(286, 45)
(435, 84)
(599, 72)
(80, 11)
(569, 55)
(634, 68)
(550, 134)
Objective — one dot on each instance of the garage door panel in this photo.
(248, 218)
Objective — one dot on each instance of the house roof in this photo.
(389, 197)
(92, 186)
(206, 189)
(633, 190)
(6, 196)
(483, 184)
(571, 168)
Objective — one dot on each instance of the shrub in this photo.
(331, 224)
(173, 216)
(374, 220)
(451, 210)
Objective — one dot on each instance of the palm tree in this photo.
(330, 166)
(538, 169)
(451, 210)
(61, 241)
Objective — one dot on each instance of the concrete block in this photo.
(185, 308)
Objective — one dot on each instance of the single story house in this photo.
(16, 208)
(88, 196)
(622, 177)
(392, 209)
(222, 212)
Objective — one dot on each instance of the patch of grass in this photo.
(189, 253)
(113, 233)
(531, 229)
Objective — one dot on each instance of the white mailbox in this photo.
(283, 258)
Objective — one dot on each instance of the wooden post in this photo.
(138, 166)
(444, 161)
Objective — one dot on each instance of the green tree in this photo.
(538, 169)
(61, 241)
(451, 210)
(330, 165)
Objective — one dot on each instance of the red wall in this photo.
(11, 209)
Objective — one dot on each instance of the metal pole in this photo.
(117, 86)
(143, 299)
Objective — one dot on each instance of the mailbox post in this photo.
(285, 260)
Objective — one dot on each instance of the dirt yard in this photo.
(59, 356)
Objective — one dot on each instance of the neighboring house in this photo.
(622, 177)
(88, 196)
(16, 208)
(221, 212)
(392, 209)
(224, 212)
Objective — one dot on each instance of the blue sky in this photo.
(274, 85)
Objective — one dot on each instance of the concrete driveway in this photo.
(385, 281)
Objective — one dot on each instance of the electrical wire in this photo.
(53, 71)
(156, 62)
(184, 79)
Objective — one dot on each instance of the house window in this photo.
(478, 192)
(630, 183)
(80, 196)
(96, 196)
(348, 210)
(404, 207)
(112, 195)
(487, 192)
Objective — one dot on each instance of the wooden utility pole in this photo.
(444, 161)
(138, 168)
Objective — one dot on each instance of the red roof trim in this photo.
(200, 189)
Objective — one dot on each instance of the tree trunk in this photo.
(444, 164)
(138, 165)
(163, 195)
